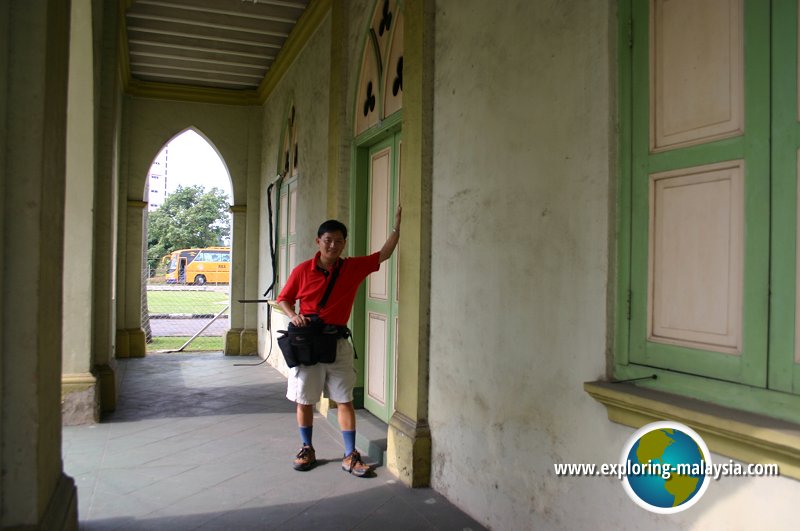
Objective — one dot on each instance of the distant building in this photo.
(157, 181)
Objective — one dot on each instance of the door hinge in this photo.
(630, 33)
(628, 302)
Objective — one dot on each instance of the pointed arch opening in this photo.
(187, 263)
(375, 191)
(289, 169)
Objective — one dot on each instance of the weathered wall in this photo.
(522, 193)
(305, 85)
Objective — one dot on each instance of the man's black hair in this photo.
(332, 225)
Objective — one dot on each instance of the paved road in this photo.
(188, 327)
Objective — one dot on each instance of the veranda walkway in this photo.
(198, 443)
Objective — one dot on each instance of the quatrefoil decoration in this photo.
(386, 19)
(369, 103)
(397, 85)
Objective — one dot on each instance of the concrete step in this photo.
(370, 435)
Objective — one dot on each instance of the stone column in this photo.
(34, 491)
(79, 384)
(233, 339)
(409, 437)
(248, 342)
(130, 337)
(107, 140)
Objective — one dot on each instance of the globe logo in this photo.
(665, 464)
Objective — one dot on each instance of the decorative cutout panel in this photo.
(383, 25)
(288, 164)
(366, 111)
(293, 144)
(286, 158)
(393, 72)
(380, 86)
(696, 72)
(696, 257)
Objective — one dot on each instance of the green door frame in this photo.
(358, 235)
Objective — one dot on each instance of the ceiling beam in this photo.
(201, 24)
(306, 26)
(135, 53)
(143, 66)
(194, 6)
(171, 33)
(221, 51)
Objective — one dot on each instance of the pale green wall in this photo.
(305, 85)
(524, 156)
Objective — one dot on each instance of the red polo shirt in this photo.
(308, 282)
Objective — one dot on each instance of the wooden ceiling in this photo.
(217, 46)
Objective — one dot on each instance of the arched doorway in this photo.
(188, 255)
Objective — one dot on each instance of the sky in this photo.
(193, 161)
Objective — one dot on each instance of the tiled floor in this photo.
(199, 443)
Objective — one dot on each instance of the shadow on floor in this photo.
(198, 443)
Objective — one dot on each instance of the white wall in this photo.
(522, 194)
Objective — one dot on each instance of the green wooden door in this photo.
(784, 373)
(700, 189)
(381, 307)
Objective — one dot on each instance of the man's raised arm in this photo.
(394, 237)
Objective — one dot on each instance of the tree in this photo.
(189, 217)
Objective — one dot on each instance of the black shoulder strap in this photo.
(328, 290)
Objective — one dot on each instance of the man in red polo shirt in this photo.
(308, 283)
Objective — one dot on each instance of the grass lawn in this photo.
(195, 302)
(173, 343)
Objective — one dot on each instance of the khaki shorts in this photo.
(306, 382)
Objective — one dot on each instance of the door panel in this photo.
(380, 169)
(381, 305)
(376, 352)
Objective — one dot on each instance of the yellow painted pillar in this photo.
(79, 388)
(248, 340)
(106, 213)
(131, 338)
(409, 438)
(34, 491)
(233, 339)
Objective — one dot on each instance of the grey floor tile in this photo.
(395, 515)
(197, 443)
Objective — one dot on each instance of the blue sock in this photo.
(349, 441)
(305, 434)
